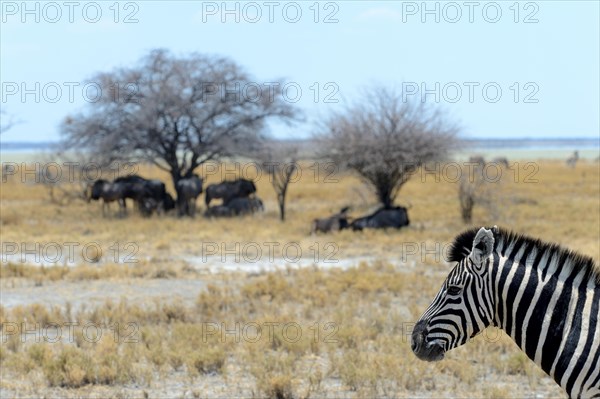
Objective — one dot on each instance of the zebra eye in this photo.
(454, 290)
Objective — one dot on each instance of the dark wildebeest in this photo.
(218, 211)
(188, 189)
(245, 205)
(383, 218)
(138, 187)
(149, 204)
(155, 198)
(108, 192)
(229, 190)
(150, 195)
(168, 203)
(336, 222)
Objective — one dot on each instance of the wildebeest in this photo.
(245, 205)
(188, 189)
(168, 202)
(383, 218)
(108, 192)
(218, 211)
(236, 207)
(149, 194)
(147, 205)
(229, 190)
(336, 222)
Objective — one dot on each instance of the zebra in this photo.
(545, 297)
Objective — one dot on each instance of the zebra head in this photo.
(463, 307)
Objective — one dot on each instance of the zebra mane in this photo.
(463, 243)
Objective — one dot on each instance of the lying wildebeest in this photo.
(218, 211)
(188, 189)
(149, 194)
(236, 207)
(385, 217)
(245, 205)
(336, 222)
(108, 192)
(229, 190)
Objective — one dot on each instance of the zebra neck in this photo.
(536, 301)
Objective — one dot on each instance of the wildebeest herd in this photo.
(150, 196)
(238, 198)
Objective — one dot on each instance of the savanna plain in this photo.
(253, 307)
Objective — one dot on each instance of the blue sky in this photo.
(504, 69)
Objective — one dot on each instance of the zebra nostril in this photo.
(417, 341)
(418, 336)
(414, 346)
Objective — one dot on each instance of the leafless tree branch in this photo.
(279, 160)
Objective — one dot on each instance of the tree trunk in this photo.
(281, 201)
(175, 177)
(385, 198)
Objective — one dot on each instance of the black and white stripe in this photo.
(545, 297)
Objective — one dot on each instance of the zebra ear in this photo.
(483, 245)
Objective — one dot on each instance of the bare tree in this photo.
(385, 139)
(176, 112)
(279, 161)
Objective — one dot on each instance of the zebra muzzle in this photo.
(428, 351)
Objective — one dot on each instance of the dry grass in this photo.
(354, 322)
(349, 326)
